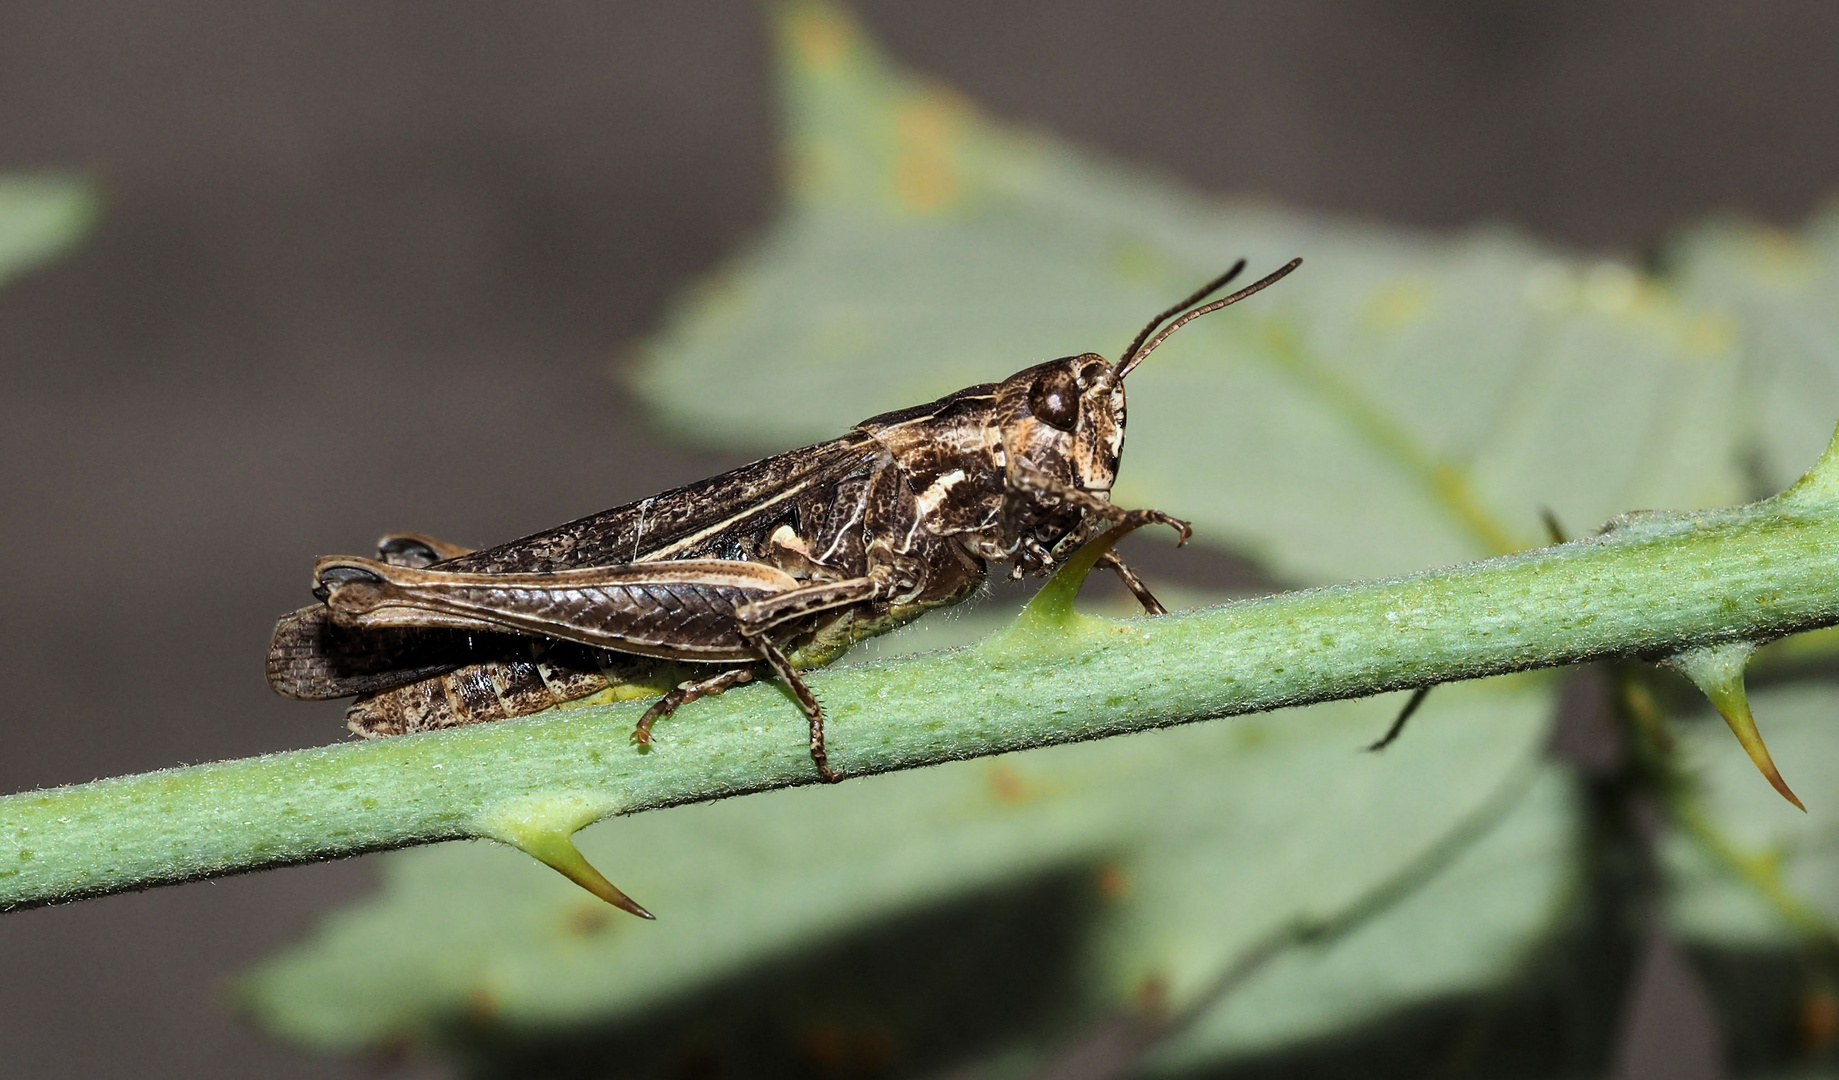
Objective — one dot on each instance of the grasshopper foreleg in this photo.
(1045, 488)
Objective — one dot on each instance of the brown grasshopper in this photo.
(778, 566)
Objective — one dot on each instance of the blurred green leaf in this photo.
(1776, 294)
(1402, 401)
(1469, 927)
(40, 218)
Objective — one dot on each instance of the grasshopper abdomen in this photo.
(553, 675)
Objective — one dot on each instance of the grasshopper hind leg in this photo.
(685, 693)
(806, 701)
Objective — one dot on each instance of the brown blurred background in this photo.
(367, 266)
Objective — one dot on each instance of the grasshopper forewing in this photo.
(774, 568)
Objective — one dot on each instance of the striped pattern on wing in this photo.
(677, 610)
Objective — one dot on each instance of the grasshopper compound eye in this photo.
(1054, 399)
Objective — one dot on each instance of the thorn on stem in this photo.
(1718, 671)
(558, 852)
(1053, 604)
(1404, 714)
(1554, 531)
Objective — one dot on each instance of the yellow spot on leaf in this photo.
(1782, 259)
(1614, 289)
(1705, 334)
(925, 174)
(1398, 305)
(820, 39)
(1008, 786)
(924, 184)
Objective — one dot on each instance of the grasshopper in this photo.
(774, 568)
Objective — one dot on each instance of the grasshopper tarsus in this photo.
(803, 553)
(1183, 530)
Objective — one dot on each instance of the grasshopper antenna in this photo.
(1205, 291)
(1139, 349)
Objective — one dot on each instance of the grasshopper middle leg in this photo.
(685, 693)
(1134, 583)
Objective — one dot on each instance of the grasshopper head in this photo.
(1065, 418)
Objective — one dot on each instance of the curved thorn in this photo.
(1054, 602)
(1718, 671)
(1398, 725)
(558, 852)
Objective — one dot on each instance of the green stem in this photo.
(1652, 587)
